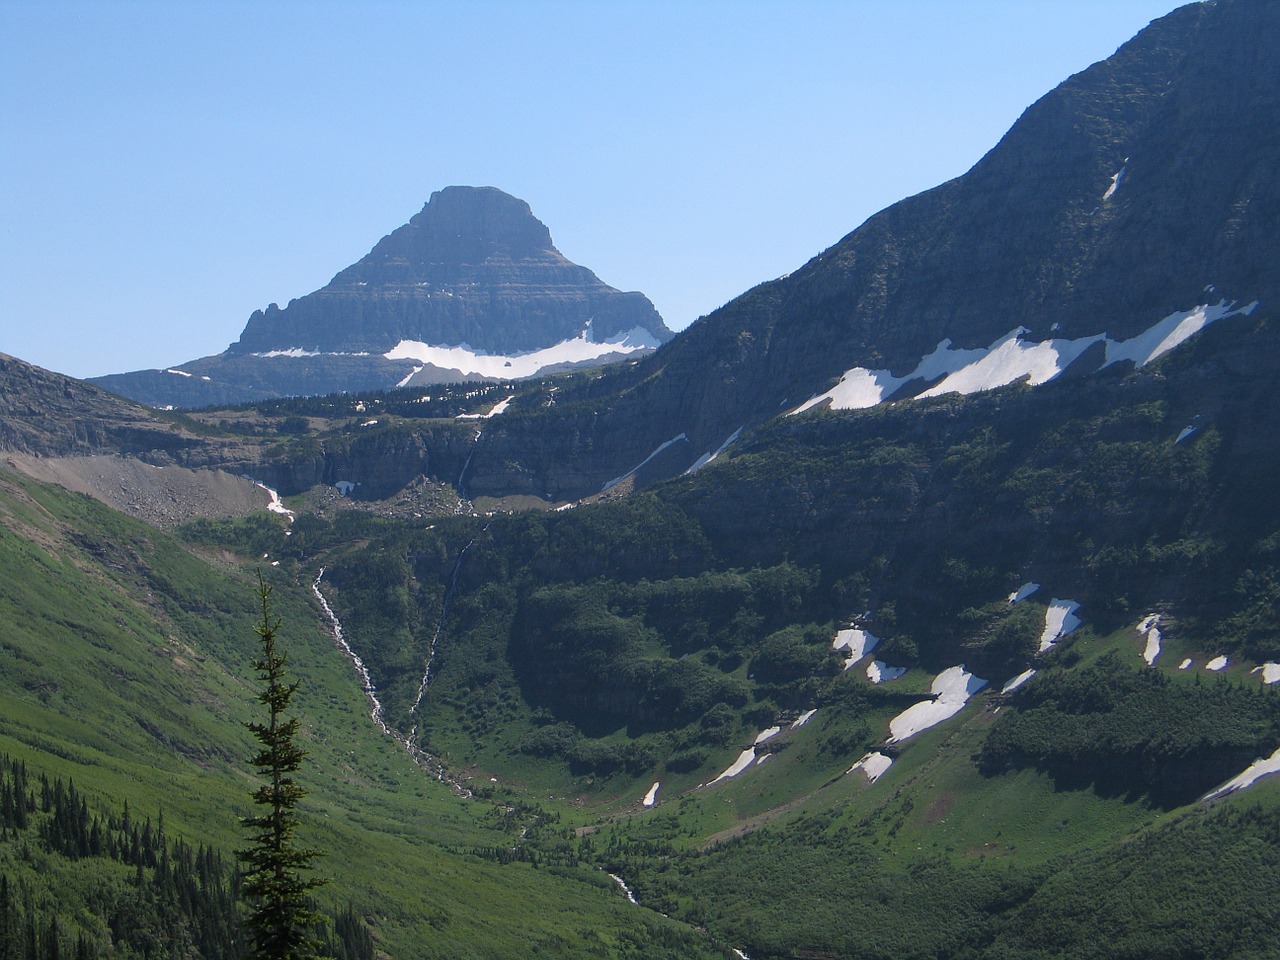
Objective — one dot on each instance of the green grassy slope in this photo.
(126, 668)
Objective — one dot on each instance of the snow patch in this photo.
(745, 759)
(748, 756)
(1186, 432)
(1261, 767)
(1166, 334)
(405, 382)
(1017, 681)
(181, 373)
(804, 718)
(345, 487)
(767, 735)
(1059, 620)
(275, 506)
(952, 689)
(1149, 626)
(880, 672)
(1216, 664)
(1185, 664)
(857, 642)
(651, 797)
(499, 408)
(1010, 358)
(1115, 182)
(617, 480)
(581, 349)
(296, 352)
(1024, 591)
(873, 765)
(1271, 673)
(706, 458)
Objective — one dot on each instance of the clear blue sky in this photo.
(168, 167)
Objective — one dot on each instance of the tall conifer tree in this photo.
(281, 919)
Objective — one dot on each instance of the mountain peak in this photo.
(471, 287)
(474, 267)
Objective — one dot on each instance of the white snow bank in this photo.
(498, 408)
(1185, 664)
(1216, 664)
(804, 718)
(617, 480)
(1163, 336)
(1186, 432)
(1149, 626)
(706, 458)
(651, 797)
(1115, 182)
(1024, 591)
(275, 506)
(1261, 767)
(1059, 620)
(181, 373)
(1011, 358)
(857, 642)
(581, 349)
(296, 352)
(873, 765)
(745, 759)
(345, 487)
(748, 756)
(1017, 681)
(405, 381)
(952, 689)
(1271, 673)
(880, 672)
(860, 388)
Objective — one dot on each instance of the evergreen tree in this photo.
(281, 918)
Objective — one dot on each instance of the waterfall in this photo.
(426, 761)
(435, 639)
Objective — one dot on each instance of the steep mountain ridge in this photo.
(1180, 120)
(470, 288)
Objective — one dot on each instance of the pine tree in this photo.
(281, 919)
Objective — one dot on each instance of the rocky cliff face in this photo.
(1137, 189)
(471, 288)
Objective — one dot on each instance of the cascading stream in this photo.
(423, 759)
(376, 714)
(435, 639)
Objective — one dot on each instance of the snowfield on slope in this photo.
(952, 689)
(1059, 620)
(1010, 358)
(581, 349)
(856, 643)
(1260, 768)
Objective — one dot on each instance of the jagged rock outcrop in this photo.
(473, 274)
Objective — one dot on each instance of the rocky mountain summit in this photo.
(470, 288)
